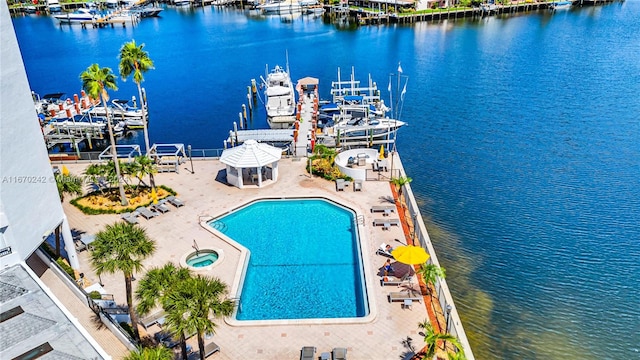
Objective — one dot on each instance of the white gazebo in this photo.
(252, 162)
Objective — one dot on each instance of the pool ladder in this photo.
(361, 219)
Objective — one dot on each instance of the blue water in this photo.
(523, 143)
(304, 263)
(202, 260)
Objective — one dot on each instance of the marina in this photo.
(499, 179)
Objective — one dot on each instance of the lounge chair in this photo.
(155, 318)
(160, 207)
(174, 201)
(340, 184)
(339, 354)
(402, 296)
(210, 349)
(357, 185)
(392, 280)
(386, 210)
(80, 246)
(382, 250)
(148, 214)
(308, 353)
(129, 217)
(386, 223)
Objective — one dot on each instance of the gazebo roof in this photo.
(251, 154)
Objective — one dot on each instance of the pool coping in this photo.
(243, 262)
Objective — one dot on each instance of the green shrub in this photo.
(92, 211)
(66, 267)
(126, 327)
(95, 295)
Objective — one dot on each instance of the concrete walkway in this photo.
(207, 195)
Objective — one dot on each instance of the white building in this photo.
(33, 320)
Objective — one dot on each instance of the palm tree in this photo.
(121, 247)
(430, 273)
(155, 353)
(155, 287)
(400, 182)
(145, 166)
(195, 302)
(134, 60)
(431, 338)
(96, 81)
(67, 184)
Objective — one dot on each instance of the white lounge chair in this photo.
(340, 184)
(392, 280)
(386, 210)
(357, 185)
(160, 207)
(386, 223)
(382, 250)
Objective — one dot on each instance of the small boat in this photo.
(29, 9)
(279, 93)
(182, 2)
(281, 7)
(76, 17)
(121, 110)
(560, 5)
(146, 11)
(54, 6)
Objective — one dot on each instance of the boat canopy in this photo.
(358, 98)
(122, 152)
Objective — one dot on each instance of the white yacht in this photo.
(281, 7)
(279, 93)
(54, 6)
(76, 17)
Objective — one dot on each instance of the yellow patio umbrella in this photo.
(65, 171)
(410, 254)
(154, 195)
(381, 152)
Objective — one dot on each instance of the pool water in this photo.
(305, 260)
(202, 260)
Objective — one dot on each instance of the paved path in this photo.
(206, 195)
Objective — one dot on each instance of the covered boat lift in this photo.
(168, 157)
(127, 152)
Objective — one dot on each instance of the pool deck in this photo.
(206, 197)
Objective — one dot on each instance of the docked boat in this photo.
(78, 16)
(357, 116)
(560, 5)
(182, 2)
(146, 11)
(54, 6)
(121, 110)
(279, 94)
(281, 7)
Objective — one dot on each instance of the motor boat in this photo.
(146, 11)
(279, 93)
(78, 16)
(54, 6)
(121, 110)
(281, 7)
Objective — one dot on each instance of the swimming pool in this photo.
(305, 260)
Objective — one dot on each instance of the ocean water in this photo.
(293, 264)
(523, 143)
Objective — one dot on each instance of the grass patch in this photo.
(107, 201)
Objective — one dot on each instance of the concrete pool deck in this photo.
(206, 197)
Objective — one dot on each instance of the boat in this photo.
(281, 7)
(121, 110)
(29, 9)
(560, 5)
(54, 6)
(182, 2)
(357, 116)
(146, 11)
(279, 94)
(78, 16)
(315, 10)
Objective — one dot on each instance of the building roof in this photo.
(31, 322)
(251, 154)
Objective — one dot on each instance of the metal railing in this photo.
(453, 323)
